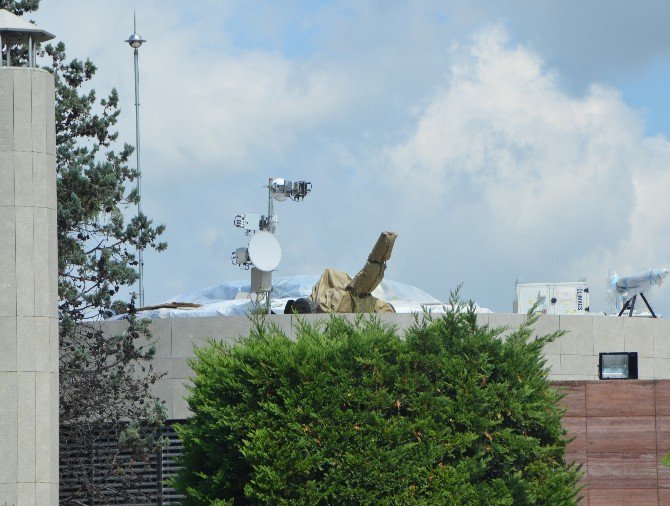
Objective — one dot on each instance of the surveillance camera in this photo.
(300, 190)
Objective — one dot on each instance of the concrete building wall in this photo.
(28, 289)
(573, 356)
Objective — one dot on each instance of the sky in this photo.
(501, 140)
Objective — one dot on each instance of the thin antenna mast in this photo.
(135, 41)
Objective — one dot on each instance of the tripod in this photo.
(630, 305)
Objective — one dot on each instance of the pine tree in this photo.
(104, 378)
(353, 413)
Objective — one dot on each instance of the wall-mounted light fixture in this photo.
(621, 365)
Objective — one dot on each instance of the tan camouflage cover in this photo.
(331, 296)
(372, 273)
(336, 292)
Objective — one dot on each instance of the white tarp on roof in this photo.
(220, 300)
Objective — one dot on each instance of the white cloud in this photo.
(558, 182)
(208, 236)
(233, 113)
(207, 107)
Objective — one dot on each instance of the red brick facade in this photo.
(622, 431)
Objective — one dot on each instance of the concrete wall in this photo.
(28, 289)
(574, 356)
(571, 357)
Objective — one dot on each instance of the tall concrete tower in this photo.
(28, 274)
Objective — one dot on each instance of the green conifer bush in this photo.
(352, 413)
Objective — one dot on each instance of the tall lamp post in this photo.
(135, 41)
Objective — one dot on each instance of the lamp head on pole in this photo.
(135, 40)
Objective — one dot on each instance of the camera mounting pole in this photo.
(263, 252)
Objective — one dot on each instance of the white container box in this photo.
(553, 298)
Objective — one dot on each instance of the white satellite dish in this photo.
(264, 251)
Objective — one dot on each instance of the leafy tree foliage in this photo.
(19, 7)
(109, 420)
(351, 413)
(104, 378)
(96, 247)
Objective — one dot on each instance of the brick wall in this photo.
(622, 431)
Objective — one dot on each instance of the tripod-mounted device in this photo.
(627, 289)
